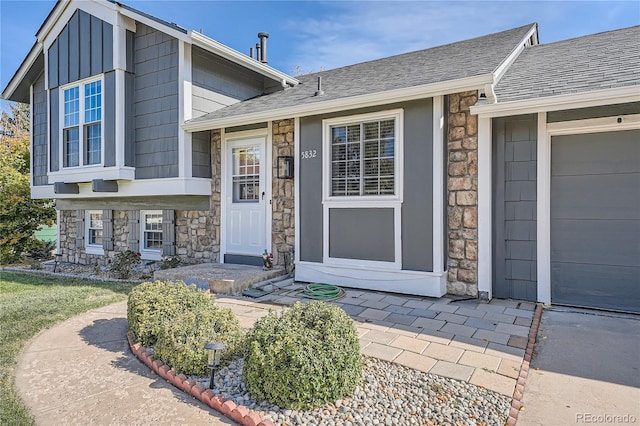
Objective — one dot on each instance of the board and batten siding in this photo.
(514, 200)
(416, 211)
(217, 82)
(84, 48)
(39, 154)
(155, 104)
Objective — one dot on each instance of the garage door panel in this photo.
(596, 196)
(602, 242)
(595, 220)
(596, 153)
(609, 287)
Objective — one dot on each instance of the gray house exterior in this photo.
(490, 167)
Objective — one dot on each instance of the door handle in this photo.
(263, 195)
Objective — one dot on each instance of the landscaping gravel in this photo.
(389, 394)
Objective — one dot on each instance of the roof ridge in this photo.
(386, 58)
(582, 37)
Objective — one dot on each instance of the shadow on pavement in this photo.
(591, 345)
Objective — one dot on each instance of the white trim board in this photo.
(545, 134)
(617, 95)
(485, 207)
(344, 104)
(397, 281)
(130, 188)
(438, 185)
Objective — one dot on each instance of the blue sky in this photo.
(308, 36)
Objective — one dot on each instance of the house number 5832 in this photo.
(308, 154)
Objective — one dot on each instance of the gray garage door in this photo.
(595, 220)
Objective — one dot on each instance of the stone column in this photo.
(283, 204)
(462, 190)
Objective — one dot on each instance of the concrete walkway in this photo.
(82, 372)
(586, 370)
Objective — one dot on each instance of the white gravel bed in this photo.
(389, 394)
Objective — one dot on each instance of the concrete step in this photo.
(220, 278)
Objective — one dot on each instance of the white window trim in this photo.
(368, 201)
(91, 248)
(80, 84)
(148, 254)
(398, 116)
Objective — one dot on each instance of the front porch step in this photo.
(221, 278)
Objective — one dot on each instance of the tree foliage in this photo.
(20, 216)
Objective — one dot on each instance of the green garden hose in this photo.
(324, 292)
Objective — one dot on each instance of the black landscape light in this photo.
(214, 350)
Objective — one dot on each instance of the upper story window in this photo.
(363, 155)
(82, 124)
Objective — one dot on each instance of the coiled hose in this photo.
(324, 292)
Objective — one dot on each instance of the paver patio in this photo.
(475, 341)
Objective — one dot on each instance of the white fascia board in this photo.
(103, 10)
(154, 24)
(560, 102)
(33, 54)
(133, 188)
(504, 66)
(232, 55)
(353, 102)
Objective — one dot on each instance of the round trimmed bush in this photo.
(303, 358)
(179, 320)
(181, 341)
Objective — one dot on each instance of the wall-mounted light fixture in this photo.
(285, 167)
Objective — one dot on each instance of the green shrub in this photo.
(170, 262)
(181, 341)
(124, 262)
(304, 357)
(179, 320)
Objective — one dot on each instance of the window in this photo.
(151, 233)
(82, 124)
(94, 232)
(246, 175)
(363, 156)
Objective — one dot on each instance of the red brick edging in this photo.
(516, 401)
(238, 413)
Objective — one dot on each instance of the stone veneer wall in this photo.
(462, 191)
(196, 239)
(283, 193)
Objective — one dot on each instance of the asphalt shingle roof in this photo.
(594, 62)
(449, 62)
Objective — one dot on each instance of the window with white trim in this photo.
(82, 124)
(363, 156)
(151, 233)
(94, 231)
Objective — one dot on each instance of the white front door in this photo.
(246, 197)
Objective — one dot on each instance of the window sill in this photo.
(151, 255)
(97, 250)
(89, 173)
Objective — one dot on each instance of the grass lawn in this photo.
(30, 303)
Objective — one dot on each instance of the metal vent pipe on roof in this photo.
(257, 58)
(263, 46)
(319, 91)
(251, 53)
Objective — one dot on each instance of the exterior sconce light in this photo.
(214, 350)
(285, 167)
